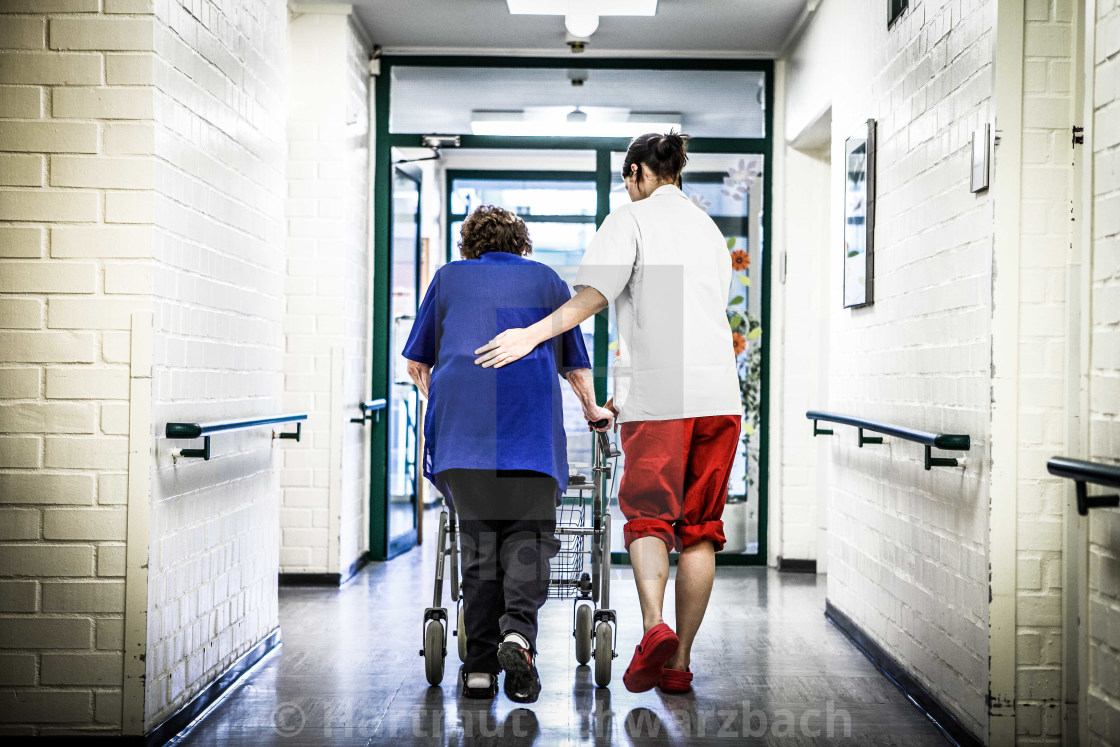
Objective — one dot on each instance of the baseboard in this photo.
(794, 565)
(212, 693)
(941, 717)
(354, 567)
(323, 579)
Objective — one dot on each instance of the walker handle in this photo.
(598, 423)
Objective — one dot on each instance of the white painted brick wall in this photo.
(324, 515)
(807, 253)
(907, 548)
(1046, 235)
(1104, 385)
(64, 394)
(218, 214)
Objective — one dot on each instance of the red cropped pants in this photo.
(674, 484)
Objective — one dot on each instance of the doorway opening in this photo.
(564, 186)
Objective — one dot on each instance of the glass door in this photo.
(560, 208)
(731, 141)
(404, 400)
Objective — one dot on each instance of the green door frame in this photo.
(385, 141)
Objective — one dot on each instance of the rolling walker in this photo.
(583, 526)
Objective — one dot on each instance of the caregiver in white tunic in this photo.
(665, 265)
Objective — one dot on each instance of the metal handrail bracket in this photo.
(370, 410)
(205, 430)
(1083, 472)
(944, 441)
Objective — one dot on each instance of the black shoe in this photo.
(479, 692)
(523, 684)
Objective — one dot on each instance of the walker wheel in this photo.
(433, 652)
(461, 634)
(583, 633)
(604, 653)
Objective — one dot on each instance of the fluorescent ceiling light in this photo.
(599, 7)
(557, 121)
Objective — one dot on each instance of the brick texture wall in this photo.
(907, 548)
(807, 176)
(75, 119)
(1044, 253)
(324, 518)
(1104, 421)
(219, 285)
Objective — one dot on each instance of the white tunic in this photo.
(665, 265)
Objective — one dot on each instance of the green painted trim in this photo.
(447, 221)
(382, 267)
(601, 354)
(764, 382)
(501, 142)
(618, 63)
(730, 226)
(521, 174)
(542, 218)
(707, 177)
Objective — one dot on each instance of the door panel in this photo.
(404, 401)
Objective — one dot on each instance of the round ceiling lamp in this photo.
(581, 24)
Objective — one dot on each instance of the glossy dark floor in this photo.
(769, 669)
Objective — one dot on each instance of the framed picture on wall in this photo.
(895, 9)
(859, 216)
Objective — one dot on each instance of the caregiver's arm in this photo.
(514, 344)
(421, 375)
(581, 383)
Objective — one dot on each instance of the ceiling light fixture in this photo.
(581, 23)
(581, 17)
(566, 121)
(601, 7)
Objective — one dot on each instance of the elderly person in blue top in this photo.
(495, 444)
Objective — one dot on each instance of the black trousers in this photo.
(507, 525)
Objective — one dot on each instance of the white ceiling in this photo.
(719, 28)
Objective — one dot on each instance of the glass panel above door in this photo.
(525, 197)
(580, 102)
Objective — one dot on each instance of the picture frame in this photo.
(978, 177)
(895, 9)
(859, 217)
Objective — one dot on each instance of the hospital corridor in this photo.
(560, 372)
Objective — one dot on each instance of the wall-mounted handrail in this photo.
(1082, 472)
(944, 441)
(370, 410)
(205, 430)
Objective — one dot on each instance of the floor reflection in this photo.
(768, 667)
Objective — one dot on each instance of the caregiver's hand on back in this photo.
(511, 345)
(514, 344)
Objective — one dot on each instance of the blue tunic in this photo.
(509, 418)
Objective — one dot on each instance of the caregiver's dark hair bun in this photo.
(664, 155)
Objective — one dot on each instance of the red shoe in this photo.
(657, 646)
(675, 681)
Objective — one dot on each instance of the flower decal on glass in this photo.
(740, 260)
(739, 341)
